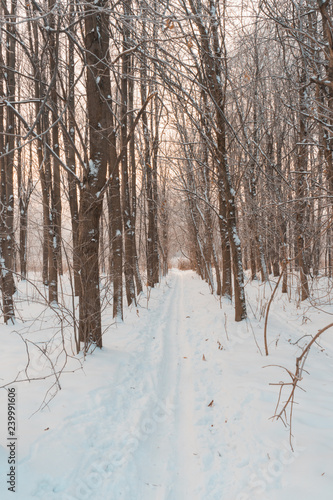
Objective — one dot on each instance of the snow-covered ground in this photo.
(176, 406)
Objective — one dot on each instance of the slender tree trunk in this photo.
(164, 221)
(24, 188)
(127, 218)
(210, 248)
(71, 159)
(135, 262)
(55, 266)
(225, 244)
(116, 234)
(150, 160)
(302, 159)
(41, 125)
(7, 165)
(115, 220)
(148, 168)
(240, 306)
(154, 216)
(50, 246)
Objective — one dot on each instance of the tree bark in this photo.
(135, 262)
(70, 157)
(302, 159)
(127, 218)
(7, 165)
(98, 92)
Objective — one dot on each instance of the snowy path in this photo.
(160, 451)
(168, 461)
(134, 436)
(142, 429)
(176, 407)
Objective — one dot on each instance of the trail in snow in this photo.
(135, 436)
(168, 463)
(137, 423)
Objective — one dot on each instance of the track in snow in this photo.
(168, 463)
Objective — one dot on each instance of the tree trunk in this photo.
(154, 219)
(302, 159)
(24, 188)
(127, 218)
(98, 92)
(71, 159)
(135, 262)
(225, 244)
(116, 234)
(7, 165)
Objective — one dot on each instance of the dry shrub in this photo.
(185, 265)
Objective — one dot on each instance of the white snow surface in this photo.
(177, 404)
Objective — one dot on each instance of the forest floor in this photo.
(177, 404)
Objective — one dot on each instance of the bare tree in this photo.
(7, 128)
(98, 94)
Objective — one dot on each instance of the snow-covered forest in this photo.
(166, 260)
